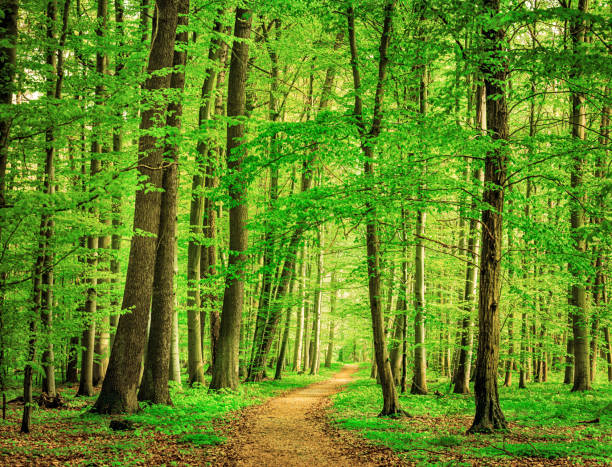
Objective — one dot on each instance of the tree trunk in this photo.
(225, 370)
(419, 379)
(329, 355)
(195, 250)
(316, 328)
(8, 56)
(56, 61)
(282, 354)
(119, 390)
(608, 352)
(582, 381)
(489, 416)
(299, 332)
(154, 385)
(390, 398)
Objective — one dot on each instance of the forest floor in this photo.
(182, 434)
(329, 419)
(548, 425)
(294, 430)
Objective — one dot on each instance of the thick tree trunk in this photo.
(489, 416)
(225, 370)
(8, 56)
(154, 385)
(120, 386)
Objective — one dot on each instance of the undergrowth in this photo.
(162, 434)
(545, 423)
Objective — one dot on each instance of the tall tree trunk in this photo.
(299, 331)
(368, 138)
(195, 250)
(608, 352)
(489, 416)
(419, 379)
(154, 385)
(56, 60)
(315, 359)
(225, 370)
(329, 355)
(8, 57)
(120, 386)
(282, 354)
(101, 340)
(175, 355)
(582, 381)
(116, 222)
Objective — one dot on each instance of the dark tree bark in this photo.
(154, 385)
(8, 55)
(489, 416)
(225, 370)
(391, 405)
(120, 387)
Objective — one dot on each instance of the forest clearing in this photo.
(305, 232)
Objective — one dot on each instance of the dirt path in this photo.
(292, 430)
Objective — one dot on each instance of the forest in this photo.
(305, 232)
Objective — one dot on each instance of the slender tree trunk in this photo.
(390, 398)
(489, 416)
(101, 340)
(608, 352)
(195, 362)
(316, 329)
(329, 355)
(175, 356)
(56, 61)
(419, 379)
(299, 332)
(120, 386)
(225, 370)
(282, 354)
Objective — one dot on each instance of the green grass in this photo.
(544, 421)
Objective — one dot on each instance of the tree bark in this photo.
(154, 385)
(195, 250)
(299, 332)
(582, 381)
(120, 386)
(315, 359)
(329, 355)
(391, 405)
(225, 370)
(489, 416)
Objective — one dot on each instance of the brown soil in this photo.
(293, 430)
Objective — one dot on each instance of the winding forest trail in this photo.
(292, 430)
